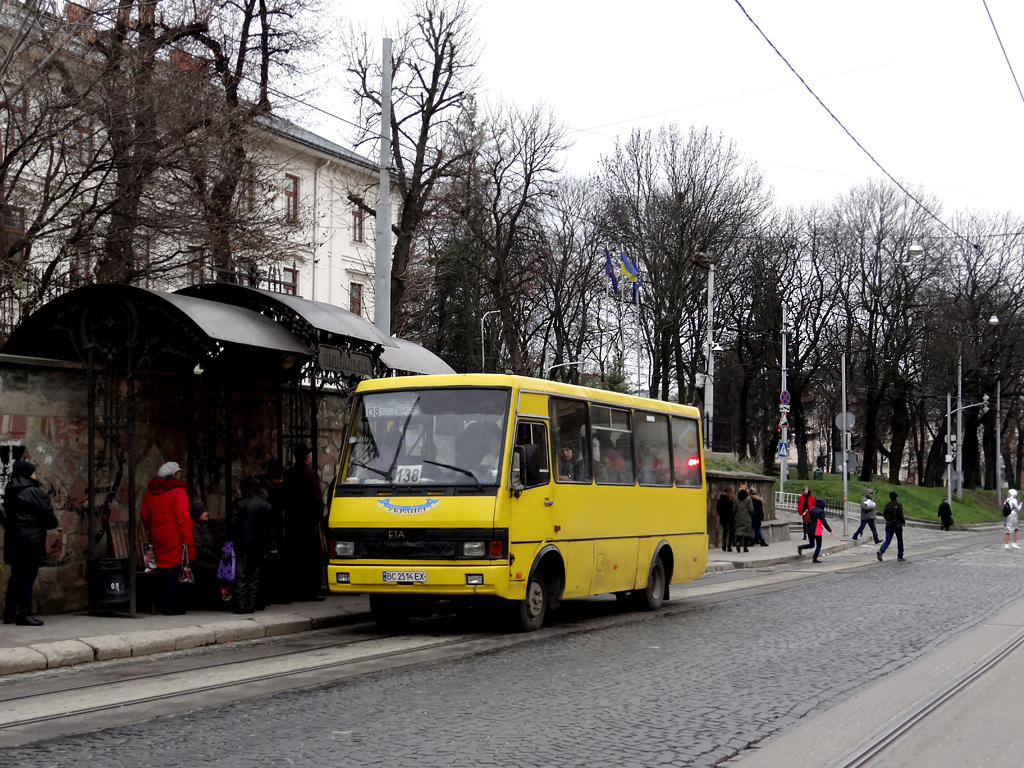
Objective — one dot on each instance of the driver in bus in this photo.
(492, 458)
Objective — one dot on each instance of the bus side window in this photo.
(686, 452)
(536, 433)
(570, 444)
(652, 441)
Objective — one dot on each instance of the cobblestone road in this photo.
(685, 690)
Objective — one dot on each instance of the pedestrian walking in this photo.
(744, 510)
(726, 517)
(868, 515)
(28, 515)
(757, 519)
(804, 505)
(165, 515)
(303, 515)
(894, 522)
(1011, 519)
(249, 532)
(817, 525)
(945, 515)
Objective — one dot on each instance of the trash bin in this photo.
(110, 580)
(819, 474)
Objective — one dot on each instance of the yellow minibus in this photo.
(518, 489)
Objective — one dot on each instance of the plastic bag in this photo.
(226, 567)
(148, 557)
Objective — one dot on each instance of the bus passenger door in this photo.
(530, 513)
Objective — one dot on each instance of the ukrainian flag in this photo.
(630, 273)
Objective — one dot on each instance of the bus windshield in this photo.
(427, 437)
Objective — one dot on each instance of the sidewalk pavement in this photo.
(69, 639)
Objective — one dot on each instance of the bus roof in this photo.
(525, 383)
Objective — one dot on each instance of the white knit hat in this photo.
(168, 469)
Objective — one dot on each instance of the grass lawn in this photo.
(920, 503)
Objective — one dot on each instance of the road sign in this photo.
(850, 421)
(783, 450)
(784, 397)
(784, 408)
(783, 422)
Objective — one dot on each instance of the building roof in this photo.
(289, 130)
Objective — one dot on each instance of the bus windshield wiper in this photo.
(380, 472)
(466, 472)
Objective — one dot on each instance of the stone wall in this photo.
(760, 485)
(44, 417)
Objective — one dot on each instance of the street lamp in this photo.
(483, 359)
(550, 368)
(708, 261)
(994, 321)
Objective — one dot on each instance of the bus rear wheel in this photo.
(529, 613)
(390, 612)
(651, 598)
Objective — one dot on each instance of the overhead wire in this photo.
(1003, 48)
(846, 130)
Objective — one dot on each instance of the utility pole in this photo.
(846, 479)
(709, 380)
(382, 260)
(783, 421)
(950, 447)
(999, 449)
(959, 427)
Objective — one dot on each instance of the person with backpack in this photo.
(894, 522)
(1011, 519)
(818, 523)
(868, 516)
(804, 505)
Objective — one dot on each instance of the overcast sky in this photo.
(922, 84)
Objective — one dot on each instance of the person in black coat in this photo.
(249, 532)
(725, 506)
(303, 516)
(28, 515)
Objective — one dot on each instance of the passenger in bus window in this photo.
(613, 467)
(569, 467)
(492, 458)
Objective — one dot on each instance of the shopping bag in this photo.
(148, 557)
(226, 567)
(185, 574)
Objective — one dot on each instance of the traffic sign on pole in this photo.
(783, 450)
(784, 397)
(847, 417)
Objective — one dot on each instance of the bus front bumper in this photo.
(418, 579)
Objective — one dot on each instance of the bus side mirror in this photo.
(517, 475)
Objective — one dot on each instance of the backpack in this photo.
(1006, 509)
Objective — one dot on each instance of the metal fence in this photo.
(833, 507)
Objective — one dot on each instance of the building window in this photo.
(291, 198)
(12, 229)
(290, 281)
(246, 193)
(357, 222)
(14, 111)
(355, 298)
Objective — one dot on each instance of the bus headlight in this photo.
(474, 549)
(344, 548)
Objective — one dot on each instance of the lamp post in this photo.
(483, 358)
(993, 321)
(550, 368)
(708, 261)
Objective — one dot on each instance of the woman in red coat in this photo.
(166, 517)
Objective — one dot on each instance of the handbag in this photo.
(149, 557)
(185, 575)
(226, 567)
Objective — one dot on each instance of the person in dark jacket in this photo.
(28, 515)
(894, 522)
(249, 532)
(945, 515)
(744, 507)
(204, 567)
(757, 519)
(303, 516)
(166, 518)
(867, 516)
(273, 588)
(726, 517)
(818, 523)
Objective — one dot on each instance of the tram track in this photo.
(66, 705)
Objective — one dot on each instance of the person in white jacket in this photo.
(1011, 519)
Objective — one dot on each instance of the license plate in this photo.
(405, 577)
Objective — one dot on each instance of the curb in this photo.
(736, 565)
(66, 653)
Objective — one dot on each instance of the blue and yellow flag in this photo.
(630, 273)
(608, 270)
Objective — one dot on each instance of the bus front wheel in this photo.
(653, 596)
(531, 611)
